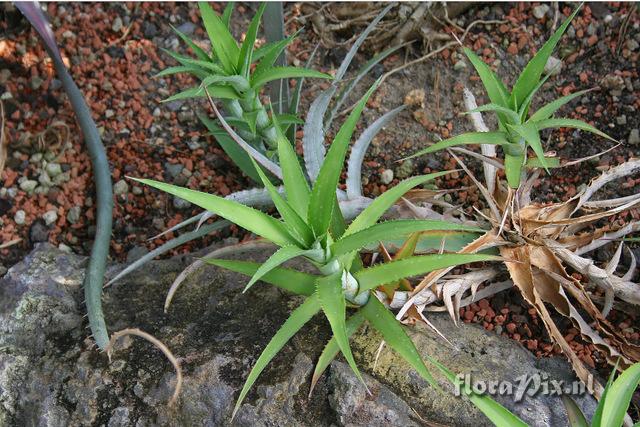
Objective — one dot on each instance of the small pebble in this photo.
(120, 188)
(28, 185)
(73, 215)
(386, 177)
(180, 204)
(540, 11)
(20, 217)
(634, 137)
(50, 217)
(553, 66)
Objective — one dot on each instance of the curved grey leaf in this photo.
(356, 45)
(313, 138)
(184, 238)
(354, 166)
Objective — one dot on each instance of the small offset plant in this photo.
(612, 408)
(541, 244)
(519, 129)
(235, 74)
(312, 226)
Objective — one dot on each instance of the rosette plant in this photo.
(518, 128)
(312, 226)
(235, 74)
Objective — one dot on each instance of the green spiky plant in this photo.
(235, 74)
(518, 129)
(312, 226)
(317, 121)
(612, 407)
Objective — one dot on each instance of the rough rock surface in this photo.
(51, 376)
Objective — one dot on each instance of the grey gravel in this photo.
(634, 137)
(120, 188)
(20, 217)
(73, 215)
(386, 177)
(28, 185)
(50, 217)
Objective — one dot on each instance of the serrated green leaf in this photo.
(334, 306)
(372, 277)
(225, 47)
(497, 414)
(279, 257)
(277, 73)
(523, 109)
(493, 138)
(496, 90)
(298, 318)
(197, 50)
(384, 322)
(175, 70)
(222, 92)
(552, 162)
(530, 133)
(513, 115)
(574, 413)
(245, 58)
(382, 203)
(397, 228)
(295, 183)
(239, 156)
(288, 119)
(571, 123)
(322, 200)
(549, 109)
(251, 219)
(293, 281)
(530, 76)
(619, 396)
(331, 350)
(199, 67)
(226, 14)
(251, 118)
(239, 83)
(270, 52)
(513, 169)
(291, 218)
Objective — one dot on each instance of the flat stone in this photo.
(634, 137)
